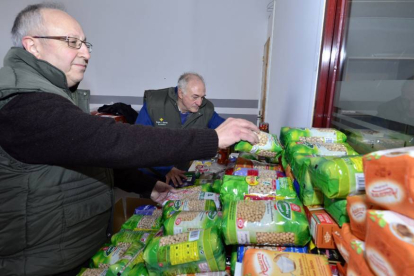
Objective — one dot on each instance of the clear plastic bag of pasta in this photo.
(184, 222)
(312, 135)
(193, 252)
(268, 145)
(257, 187)
(278, 222)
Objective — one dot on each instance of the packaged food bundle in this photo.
(202, 185)
(122, 254)
(337, 177)
(257, 172)
(183, 221)
(357, 209)
(319, 149)
(148, 210)
(133, 256)
(193, 252)
(190, 194)
(266, 262)
(188, 205)
(92, 272)
(268, 146)
(312, 135)
(278, 222)
(389, 179)
(357, 265)
(131, 236)
(337, 209)
(142, 222)
(308, 194)
(241, 250)
(242, 187)
(139, 270)
(389, 243)
(252, 164)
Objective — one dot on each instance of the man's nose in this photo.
(199, 101)
(85, 52)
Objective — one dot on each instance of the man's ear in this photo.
(180, 93)
(31, 46)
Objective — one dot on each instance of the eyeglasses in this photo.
(73, 42)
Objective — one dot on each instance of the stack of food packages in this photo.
(263, 219)
(379, 240)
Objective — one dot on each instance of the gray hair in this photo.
(185, 78)
(30, 21)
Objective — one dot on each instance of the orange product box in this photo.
(389, 179)
(322, 227)
(357, 209)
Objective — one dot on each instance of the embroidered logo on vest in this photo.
(161, 122)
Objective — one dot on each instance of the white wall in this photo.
(294, 62)
(139, 45)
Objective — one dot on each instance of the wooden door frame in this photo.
(332, 41)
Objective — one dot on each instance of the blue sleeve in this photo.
(143, 117)
(215, 121)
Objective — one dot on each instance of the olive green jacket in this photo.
(163, 110)
(52, 218)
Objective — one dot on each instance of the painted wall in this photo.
(139, 45)
(294, 62)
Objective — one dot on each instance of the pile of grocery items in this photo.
(294, 207)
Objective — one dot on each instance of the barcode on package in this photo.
(194, 235)
(360, 181)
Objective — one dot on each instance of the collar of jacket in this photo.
(173, 95)
(20, 58)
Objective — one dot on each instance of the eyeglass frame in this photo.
(66, 38)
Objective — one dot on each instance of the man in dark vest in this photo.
(58, 164)
(184, 106)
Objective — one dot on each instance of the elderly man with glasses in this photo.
(58, 164)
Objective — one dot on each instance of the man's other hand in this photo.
(160, 192)
(234, 130)
(176, 176)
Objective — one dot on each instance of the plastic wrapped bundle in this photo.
(318, 149)
(191, 194)
(131, 236)
(280, 223)
(139, 270)
(242, 187)
(337, 177)
(268, 146)
(337, 209)
(188, 205)
(183, 221)
(312, 135)
(193, 252)
(142, 222)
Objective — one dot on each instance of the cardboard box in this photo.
(322, 227)
(124, 209)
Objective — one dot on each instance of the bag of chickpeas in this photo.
(268, 145)
(131, 236)
(191, 194)
(318, 149)
(243, 187)
(278, 222)
(193, 252)
(312, 135)
(188, 205)
(142, 222)
(183, 221)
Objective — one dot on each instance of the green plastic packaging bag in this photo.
(242, 187)
(131, 236)
(337, 177)
(111, 254)
(183, 221)
(141, 222)
(279, 222)
(337, 209)
(188, 205)
(312, 135)
(193, 252)
(124, 265)
(92, 272)
(309, 195)
(139, 270)
(268, 146)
